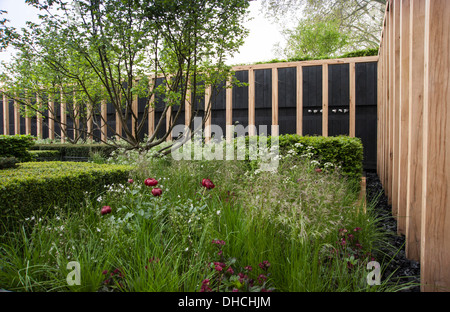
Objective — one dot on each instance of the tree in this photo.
(359, 20)
(115, 50)
(314, 39)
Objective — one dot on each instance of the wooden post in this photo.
(435, 244)
(38, 117)
(325, 100)
(251, 102)
(76, 116)
(352, 105)
(89, 121)
(274, 96)
(16, 118)
(151, 113)
(5, 115)
(390, 126)
(187, 109)
(403, 115)
(396, 109)
(415, 129)
(208, 105)
(63, 118)
(51, 115)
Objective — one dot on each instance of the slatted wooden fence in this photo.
(414, 128)
(323, 97)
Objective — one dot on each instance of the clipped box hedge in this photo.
(343, 151)
(16, 146)
(68, 151)
(45, 155)
(40, 186)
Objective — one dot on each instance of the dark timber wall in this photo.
(326, 97)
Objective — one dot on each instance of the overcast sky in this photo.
(258, 47)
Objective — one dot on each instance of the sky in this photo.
(258, 47)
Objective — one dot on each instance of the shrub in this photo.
(8, 162)
(45, 155)
(39, 187)
(68, 151)
(342, 151)
(16, 146)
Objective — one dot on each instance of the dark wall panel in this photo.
(263, 101)
(312, 100)
(287, 100)
(366, 111)
(338, 99)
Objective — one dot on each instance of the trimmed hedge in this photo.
(343, 151)
(77, 150)
(8, 162)
(45, 155)
(38, 187)
(16, 146)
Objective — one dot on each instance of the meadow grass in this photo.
(293, 218)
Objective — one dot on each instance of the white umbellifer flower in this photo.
(187, 248)
(98, 230)
(218, 212)
(99, 199)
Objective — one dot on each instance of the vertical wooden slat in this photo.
(63, 117)
(274, 96)
(325, 100)
(396, 113)
(151, 112)
(352, 106)
(51, 116)
(299, 103)
(119, 126)
(5, 115)
(76, 111)
(16, 118)
(404, 115)
(435, 244)
(229, 111)
(390, 126)
(251, 102)
(415, 129)
(38, 117)
(208, 108)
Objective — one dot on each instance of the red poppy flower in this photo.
(151, 182)
(208, 184)
(105, 210)
(157, 192)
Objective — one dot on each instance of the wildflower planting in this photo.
(202, 226)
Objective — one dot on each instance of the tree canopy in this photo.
(358, 21)
(86, 51)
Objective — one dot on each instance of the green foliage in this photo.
(77, 150)
(360, 53)
(341, 151)
(16, 146)
(35, 188)
(314, 38)
(8, 162)
(45, 155)
(89, 52)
